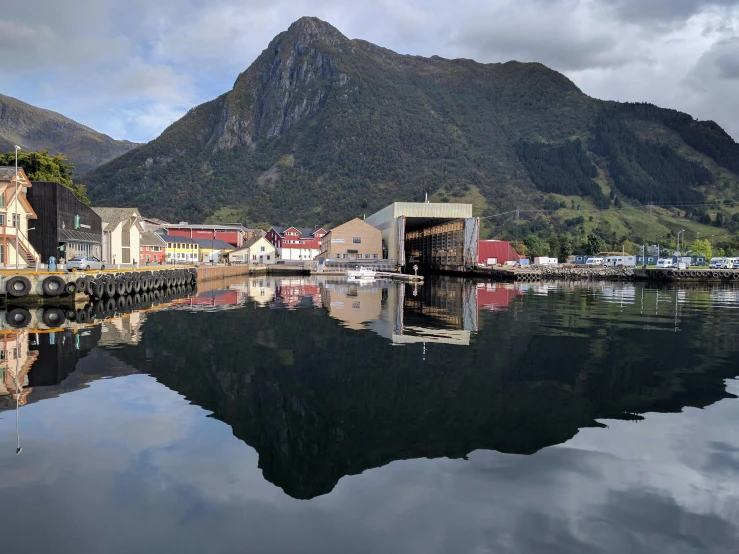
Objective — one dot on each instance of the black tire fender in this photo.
(89, 285)
(81, 316)
(109, 290)
(18, 286)
(53, 317)
(98, 288)
(53, 285)
(70, 287)
(18, 317)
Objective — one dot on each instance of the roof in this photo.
(72, 235)
(207, 226)
(149, 238)
(214, 244)
(7, 172)
(184, 240)
(113, 216)
(155, 220)
(304, 231)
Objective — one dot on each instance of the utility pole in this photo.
(16, 221)
(517, 213)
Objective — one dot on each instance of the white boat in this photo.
(361, 274)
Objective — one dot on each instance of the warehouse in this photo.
(436, 235)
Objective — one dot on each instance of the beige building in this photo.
(15, 211)
(121, 235)
(354, 240)
(353, 305)
(256, 251)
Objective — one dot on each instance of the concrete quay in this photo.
(573, 273)
(30, 285)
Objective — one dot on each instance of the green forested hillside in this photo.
(321, 128)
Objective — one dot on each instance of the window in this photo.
(374, 256)
(2, 200)
(2, 218)
(268, 256)
(254, 257)
(261, 249)
(16, 220)
(355, 305)
(357, 240)
(346, 255)
(367, 256)
(2, 253)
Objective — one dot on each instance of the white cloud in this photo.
(153, 61)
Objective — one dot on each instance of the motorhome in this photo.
(719, 263)
(595, 261)
(665, 263)
(620, 261)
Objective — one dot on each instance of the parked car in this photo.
(84, 263)
(665, 263)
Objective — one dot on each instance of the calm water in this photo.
(302, 416)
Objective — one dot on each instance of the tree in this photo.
(535, 246)
(593, 244)
(40, 166)
(701, 247)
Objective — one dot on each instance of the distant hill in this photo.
(321, 128)
(36, 129)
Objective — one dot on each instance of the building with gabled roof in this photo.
(233, 233)
(152, 248)
(15, 211)
(121, 235)
(256, 251)
(296, 243)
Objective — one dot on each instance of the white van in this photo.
(719, 263)
(594, 261)
(665, 263)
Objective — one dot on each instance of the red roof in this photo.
(500, 249)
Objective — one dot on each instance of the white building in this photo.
(256, 251)
(121, 235)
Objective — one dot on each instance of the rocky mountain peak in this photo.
(309, 29)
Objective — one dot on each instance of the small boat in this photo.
(361, 274)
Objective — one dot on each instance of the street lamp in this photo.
(678, 240)
(16, 221)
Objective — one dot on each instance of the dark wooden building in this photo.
(65, 226)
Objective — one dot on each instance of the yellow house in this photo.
(15, 211)
(181, 250)
(214, 249)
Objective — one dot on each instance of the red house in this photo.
(234, 234)
(296, 243)
(495, 252)
(152, 248)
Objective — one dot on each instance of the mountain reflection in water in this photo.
(398, 371)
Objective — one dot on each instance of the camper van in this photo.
(719, 263)
(620, 261)
(665, 263)
(595, 261)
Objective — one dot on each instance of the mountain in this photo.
(321, 128)
(34, 128)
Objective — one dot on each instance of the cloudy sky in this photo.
(129, 68)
